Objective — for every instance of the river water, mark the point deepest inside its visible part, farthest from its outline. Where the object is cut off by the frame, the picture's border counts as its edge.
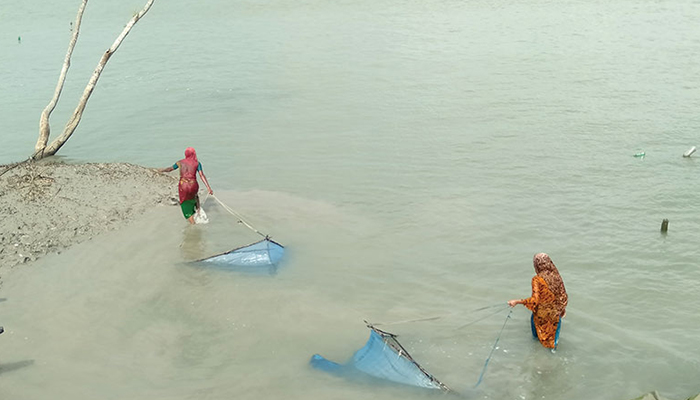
(412, 155)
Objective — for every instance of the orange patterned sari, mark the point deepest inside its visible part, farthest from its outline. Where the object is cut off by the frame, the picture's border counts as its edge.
(548, 301)
(545, 315)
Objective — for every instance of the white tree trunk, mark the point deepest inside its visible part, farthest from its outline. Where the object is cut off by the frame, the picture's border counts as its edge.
(78, 113)
(44, 127)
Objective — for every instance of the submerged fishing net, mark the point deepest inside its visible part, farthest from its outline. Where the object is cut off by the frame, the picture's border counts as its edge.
(264, 253)
(382, 357)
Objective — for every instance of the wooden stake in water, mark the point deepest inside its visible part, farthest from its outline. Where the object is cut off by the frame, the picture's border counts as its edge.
(664, 226)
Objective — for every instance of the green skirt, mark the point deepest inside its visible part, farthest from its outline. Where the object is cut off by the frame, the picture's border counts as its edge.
(188, 207)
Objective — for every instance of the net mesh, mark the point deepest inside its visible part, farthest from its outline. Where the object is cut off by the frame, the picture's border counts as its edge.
(264, 253)
(383, 357)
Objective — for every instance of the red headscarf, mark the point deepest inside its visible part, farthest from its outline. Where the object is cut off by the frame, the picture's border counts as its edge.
(191, 156)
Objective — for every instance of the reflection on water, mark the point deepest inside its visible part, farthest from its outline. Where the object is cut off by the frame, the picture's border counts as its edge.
(12, 366)
(192, 246)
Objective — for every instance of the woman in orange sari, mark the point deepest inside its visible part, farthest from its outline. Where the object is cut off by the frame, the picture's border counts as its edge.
(547, 303)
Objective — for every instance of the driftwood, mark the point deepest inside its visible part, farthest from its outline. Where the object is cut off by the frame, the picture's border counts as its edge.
(41, 149)
(44, 127)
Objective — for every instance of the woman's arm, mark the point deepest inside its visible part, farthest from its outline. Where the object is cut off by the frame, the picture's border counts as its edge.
(171, 168)
(204, 179)
(533, 300)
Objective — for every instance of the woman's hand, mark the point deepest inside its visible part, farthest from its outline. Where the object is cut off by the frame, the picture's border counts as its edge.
(514, 303)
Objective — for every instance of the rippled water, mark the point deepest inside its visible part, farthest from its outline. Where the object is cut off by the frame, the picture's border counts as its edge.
(412, 156)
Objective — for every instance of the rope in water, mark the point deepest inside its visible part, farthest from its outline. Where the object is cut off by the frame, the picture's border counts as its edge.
(483, 318)
(408, 321)
(443, 316)
(237, 215)
(486, 363)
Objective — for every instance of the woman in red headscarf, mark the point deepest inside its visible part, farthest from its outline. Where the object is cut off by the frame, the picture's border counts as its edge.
(547, 303)
(188, 186)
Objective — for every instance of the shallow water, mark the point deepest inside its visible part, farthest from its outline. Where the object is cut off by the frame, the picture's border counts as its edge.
(412, 156)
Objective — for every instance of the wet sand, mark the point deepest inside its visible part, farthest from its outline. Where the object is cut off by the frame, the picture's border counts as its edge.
(48, 206)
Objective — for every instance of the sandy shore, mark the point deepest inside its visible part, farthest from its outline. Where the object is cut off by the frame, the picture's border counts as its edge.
(49, 206)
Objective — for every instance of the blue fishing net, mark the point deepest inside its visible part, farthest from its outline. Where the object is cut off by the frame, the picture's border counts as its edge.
(382, 357)
(265, 253)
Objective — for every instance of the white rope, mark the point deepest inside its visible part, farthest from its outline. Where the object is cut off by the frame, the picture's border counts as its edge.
(237, 215)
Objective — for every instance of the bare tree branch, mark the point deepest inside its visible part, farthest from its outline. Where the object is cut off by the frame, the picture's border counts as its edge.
(78, 113)
(44, 127)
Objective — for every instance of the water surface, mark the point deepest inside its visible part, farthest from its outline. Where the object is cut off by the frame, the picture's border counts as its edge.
(412, 156)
